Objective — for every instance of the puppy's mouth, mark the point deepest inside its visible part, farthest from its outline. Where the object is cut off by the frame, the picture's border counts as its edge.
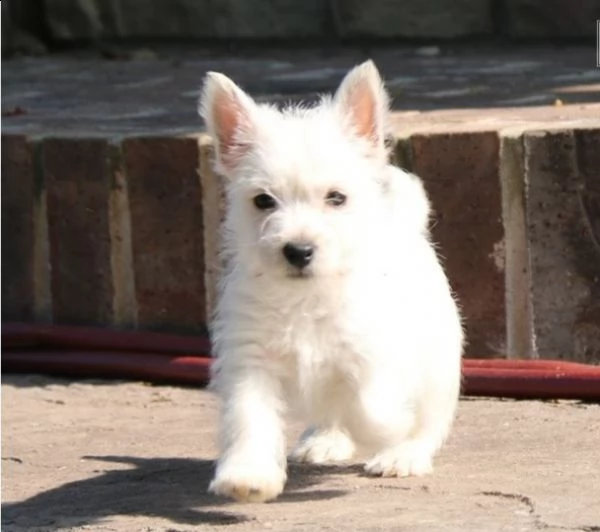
(299, 273)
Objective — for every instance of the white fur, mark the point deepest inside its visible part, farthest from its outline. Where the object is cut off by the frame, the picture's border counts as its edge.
(366, 347)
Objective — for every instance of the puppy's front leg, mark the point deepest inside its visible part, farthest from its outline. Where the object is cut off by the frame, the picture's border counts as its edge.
(252, 465)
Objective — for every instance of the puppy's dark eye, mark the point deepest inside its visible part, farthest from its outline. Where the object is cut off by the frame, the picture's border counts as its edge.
(264, 202)
(335, 198)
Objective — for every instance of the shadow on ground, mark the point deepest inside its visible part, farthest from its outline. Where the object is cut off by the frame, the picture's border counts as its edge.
(170, 488)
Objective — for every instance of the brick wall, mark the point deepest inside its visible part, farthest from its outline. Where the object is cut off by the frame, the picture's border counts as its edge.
(125, 234)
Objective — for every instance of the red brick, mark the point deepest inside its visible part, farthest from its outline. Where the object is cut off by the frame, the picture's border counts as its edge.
(461, 175)
(18, 196)
(167, 232)
(563, 213)
(78, 181)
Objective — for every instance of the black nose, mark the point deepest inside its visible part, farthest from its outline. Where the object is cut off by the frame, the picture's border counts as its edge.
(298, 255)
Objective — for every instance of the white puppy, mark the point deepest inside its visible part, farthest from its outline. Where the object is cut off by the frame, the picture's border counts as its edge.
(334, 302)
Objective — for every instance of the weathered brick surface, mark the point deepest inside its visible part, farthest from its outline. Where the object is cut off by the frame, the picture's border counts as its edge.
(588, 158)
(586, 333)
(18, 192)
(166, 232)
(413, 18)
(213, 206)
(563, 219)
(78, 182)
(519, 340)
(461, 174)
(124, 302)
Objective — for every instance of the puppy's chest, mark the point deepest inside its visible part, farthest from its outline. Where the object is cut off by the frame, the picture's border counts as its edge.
(316, 343)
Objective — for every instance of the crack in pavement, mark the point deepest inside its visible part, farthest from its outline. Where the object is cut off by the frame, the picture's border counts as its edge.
(538, 522)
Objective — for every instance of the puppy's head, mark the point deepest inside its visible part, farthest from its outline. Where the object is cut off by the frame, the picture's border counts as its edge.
(305, 186)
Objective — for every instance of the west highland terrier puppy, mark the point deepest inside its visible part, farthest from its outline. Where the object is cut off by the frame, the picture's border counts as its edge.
(334, 304)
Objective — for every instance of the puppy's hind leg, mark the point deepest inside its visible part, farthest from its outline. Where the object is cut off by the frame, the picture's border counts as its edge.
(319, 445)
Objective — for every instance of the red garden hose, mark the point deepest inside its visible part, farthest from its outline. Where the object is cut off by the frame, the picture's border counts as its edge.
(88, 352)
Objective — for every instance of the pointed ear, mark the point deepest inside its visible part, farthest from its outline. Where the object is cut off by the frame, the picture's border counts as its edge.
(228, 114)
(363, 102)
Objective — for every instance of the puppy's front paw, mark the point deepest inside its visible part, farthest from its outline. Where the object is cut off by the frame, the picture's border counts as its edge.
(248, 481)
(401, 461)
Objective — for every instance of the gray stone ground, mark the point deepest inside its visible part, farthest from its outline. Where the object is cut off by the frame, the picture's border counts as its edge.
(114, 456)
(154, 92)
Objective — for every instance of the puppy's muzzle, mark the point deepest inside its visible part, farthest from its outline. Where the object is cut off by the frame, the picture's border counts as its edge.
(298, 254)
